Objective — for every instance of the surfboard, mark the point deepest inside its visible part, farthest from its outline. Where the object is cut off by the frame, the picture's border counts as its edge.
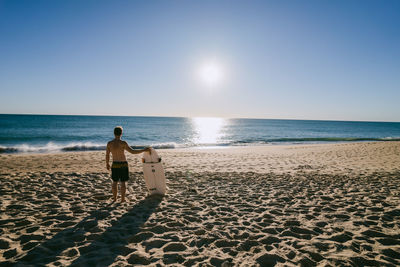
(154, 175)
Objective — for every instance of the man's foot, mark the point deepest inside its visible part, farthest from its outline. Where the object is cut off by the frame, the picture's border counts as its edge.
(114, 199)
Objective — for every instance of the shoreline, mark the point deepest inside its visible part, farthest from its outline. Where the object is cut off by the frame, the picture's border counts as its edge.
(359, 157)
(93, 147)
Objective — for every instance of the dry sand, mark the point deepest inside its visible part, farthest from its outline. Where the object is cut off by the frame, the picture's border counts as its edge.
(333, 204)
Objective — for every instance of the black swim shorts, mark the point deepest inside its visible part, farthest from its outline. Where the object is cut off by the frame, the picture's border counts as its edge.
(119, 171)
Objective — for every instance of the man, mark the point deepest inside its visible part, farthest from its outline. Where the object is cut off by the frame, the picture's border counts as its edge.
(119, 168)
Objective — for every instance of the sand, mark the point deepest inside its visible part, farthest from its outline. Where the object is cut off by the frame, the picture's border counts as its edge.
(328, 205)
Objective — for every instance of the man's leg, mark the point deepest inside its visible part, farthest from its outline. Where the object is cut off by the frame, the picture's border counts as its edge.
(123, 191)
(115, 190)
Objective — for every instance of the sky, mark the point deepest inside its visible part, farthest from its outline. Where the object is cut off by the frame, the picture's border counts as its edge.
(326, 60)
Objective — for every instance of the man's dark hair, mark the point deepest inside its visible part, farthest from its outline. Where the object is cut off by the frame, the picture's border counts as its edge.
(118, 131)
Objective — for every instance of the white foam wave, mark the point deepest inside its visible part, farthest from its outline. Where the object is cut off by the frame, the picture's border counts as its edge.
(390, 138)
(51, 147)
(169, 145)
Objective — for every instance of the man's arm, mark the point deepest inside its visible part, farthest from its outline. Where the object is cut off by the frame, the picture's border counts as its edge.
(136, 151)
(108, 157)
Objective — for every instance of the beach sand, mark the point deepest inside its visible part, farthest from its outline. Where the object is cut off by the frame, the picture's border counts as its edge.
(323, 204)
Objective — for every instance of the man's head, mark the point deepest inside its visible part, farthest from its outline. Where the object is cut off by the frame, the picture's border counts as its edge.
(118, 131)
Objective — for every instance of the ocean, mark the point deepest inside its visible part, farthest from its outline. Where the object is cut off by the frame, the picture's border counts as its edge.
(62, 133)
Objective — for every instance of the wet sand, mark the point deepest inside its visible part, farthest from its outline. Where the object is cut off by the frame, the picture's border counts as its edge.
(333, 204)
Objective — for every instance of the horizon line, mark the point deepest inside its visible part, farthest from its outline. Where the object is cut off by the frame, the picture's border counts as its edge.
(188, 117)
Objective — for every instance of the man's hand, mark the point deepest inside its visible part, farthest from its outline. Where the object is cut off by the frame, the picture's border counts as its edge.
(148, 149)
(108, 166)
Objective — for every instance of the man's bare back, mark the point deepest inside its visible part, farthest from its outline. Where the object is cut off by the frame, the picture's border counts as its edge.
(117, 149)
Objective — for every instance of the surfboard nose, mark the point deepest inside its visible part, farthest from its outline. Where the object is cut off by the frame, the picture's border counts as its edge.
(149, 158)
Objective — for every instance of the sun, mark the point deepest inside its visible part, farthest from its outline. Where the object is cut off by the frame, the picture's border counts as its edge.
(211, 73)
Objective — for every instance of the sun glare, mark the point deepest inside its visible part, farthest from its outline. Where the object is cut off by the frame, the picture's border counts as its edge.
(211, 74)
(208, 130)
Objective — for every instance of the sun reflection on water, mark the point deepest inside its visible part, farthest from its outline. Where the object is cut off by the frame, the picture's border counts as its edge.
(208, 131)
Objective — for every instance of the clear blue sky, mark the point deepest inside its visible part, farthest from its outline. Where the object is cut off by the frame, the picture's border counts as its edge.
(336, 60)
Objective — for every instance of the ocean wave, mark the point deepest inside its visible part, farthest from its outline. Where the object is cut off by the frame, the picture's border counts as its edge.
(84, 147)
(391, 138)
(338, 139)
(89, 146)
(76, 146)
(51, 147)
(170, 145)
(4, 149)
(314, 139)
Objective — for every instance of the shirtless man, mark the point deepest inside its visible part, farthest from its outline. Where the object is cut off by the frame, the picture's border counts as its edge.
(119, 168)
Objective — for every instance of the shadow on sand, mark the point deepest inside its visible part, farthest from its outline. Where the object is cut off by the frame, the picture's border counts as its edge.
(105, 246)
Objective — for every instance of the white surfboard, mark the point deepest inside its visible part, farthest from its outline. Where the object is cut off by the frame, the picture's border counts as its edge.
(154, 175)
